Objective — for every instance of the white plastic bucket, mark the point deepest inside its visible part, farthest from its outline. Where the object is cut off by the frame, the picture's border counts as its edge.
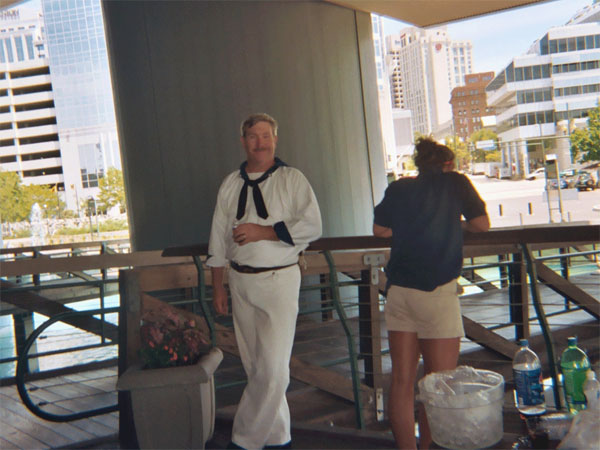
(464, 407)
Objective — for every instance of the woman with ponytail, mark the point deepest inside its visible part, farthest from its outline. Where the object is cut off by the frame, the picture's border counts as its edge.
(423, 216)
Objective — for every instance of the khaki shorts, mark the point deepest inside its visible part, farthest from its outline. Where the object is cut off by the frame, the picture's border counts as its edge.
(432, 315)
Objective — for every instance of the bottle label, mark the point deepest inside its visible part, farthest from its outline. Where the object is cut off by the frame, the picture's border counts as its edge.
(530, 390)
(573, 381)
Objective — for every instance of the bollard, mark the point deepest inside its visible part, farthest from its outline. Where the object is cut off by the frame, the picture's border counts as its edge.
(500, 209)
(530, 208)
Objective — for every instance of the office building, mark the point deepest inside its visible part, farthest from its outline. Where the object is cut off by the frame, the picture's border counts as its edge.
(57, 121)
(424, 66)
(469, 104)
(540, 95)
(383, 91)
(83, 94)
(29, 144)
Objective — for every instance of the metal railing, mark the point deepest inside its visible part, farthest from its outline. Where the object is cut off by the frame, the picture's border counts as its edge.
(357, 314)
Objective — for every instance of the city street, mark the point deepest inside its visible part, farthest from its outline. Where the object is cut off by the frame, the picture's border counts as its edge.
(513, 203)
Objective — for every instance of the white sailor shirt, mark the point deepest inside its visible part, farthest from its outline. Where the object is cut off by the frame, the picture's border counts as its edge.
(293, 212)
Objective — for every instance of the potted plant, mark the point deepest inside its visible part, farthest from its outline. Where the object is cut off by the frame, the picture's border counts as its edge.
(172, 388)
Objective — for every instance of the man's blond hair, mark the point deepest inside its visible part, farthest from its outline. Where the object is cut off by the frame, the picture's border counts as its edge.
(254, 119)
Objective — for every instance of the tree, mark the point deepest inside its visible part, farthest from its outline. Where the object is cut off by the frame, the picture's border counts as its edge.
(46, 197)
(460, 151)
(17, 199)
(112, 190)
(12, 208)
(585, 142)
(484, 155)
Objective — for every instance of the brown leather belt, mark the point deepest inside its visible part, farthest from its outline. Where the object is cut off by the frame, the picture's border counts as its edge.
(249, 269)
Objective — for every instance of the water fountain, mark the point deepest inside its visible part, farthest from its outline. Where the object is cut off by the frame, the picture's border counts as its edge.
(38, 230)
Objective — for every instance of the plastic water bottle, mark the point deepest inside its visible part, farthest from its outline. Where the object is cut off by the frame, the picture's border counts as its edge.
(591, 390)
(574, 364)
(527, 373)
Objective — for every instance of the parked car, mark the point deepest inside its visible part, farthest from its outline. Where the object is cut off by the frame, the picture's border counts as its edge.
(568, 178)
(537, 173)
(585, 181)
(553, 183)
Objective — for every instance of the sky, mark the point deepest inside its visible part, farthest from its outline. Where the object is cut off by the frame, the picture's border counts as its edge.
(497, 38)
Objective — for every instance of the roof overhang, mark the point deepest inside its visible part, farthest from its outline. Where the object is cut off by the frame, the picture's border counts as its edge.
(425, 13)
(422, 13)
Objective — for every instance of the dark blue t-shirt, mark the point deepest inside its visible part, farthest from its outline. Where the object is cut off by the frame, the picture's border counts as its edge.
(424, 214)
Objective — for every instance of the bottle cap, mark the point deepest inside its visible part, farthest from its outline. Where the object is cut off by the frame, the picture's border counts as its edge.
(523, 342)
(572, 341)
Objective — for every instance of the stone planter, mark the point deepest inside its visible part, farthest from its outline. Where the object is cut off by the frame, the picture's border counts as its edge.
(173, 407)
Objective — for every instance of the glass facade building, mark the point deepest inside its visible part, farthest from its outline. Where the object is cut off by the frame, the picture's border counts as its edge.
(79, 62)
(76, 46)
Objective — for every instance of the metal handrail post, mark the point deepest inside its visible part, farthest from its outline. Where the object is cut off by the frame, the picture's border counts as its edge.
(102, 293)
(541, 315)
(210, 321)
(22, 370)
(333, 280)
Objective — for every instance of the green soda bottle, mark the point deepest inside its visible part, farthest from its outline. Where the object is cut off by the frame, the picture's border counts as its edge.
(574, 365)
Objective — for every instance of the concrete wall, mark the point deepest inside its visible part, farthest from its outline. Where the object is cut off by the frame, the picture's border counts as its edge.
(186, 73)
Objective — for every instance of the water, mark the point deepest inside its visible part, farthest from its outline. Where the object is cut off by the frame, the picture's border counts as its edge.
(59, 336)
(38, 231)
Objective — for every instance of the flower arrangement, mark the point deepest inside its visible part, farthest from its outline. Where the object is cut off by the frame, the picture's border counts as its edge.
(169, 339)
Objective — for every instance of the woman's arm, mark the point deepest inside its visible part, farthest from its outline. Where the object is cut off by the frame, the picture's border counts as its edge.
(380, 231)
(477, 224)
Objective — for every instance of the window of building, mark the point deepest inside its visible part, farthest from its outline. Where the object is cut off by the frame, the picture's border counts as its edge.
(562, 45)
(589, 41)
(546, 71)
(29, 44)
(19, 48)
(91, 164)
(518, 74)
(9, 52)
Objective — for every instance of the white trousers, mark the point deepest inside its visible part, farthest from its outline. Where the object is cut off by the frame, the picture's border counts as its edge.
(265, 309)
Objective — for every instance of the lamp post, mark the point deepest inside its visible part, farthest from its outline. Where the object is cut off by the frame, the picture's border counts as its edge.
(91, 203)
(57, 200)
(77, 200)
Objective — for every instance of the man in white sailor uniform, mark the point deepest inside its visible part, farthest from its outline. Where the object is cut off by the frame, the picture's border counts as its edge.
(266, 214)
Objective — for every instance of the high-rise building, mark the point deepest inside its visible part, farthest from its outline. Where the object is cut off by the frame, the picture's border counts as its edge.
(424, 66)
(81, 82)
(383, 91)
(57, 120)
(29, 143)
(469, 104)
(539, 95)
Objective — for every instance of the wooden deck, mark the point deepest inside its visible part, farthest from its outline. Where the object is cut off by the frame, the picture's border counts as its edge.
(321, 420)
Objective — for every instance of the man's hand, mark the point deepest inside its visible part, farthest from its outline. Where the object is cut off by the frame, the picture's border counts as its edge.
(252, 232)
(220, 300)
(219, 291)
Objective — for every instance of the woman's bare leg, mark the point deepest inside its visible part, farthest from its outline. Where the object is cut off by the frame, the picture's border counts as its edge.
(438, 354)
(404, 351)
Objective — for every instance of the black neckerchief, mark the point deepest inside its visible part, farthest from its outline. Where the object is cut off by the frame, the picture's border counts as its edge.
(261, 209)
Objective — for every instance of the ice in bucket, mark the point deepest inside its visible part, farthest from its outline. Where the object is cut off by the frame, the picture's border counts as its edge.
(464, 407)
